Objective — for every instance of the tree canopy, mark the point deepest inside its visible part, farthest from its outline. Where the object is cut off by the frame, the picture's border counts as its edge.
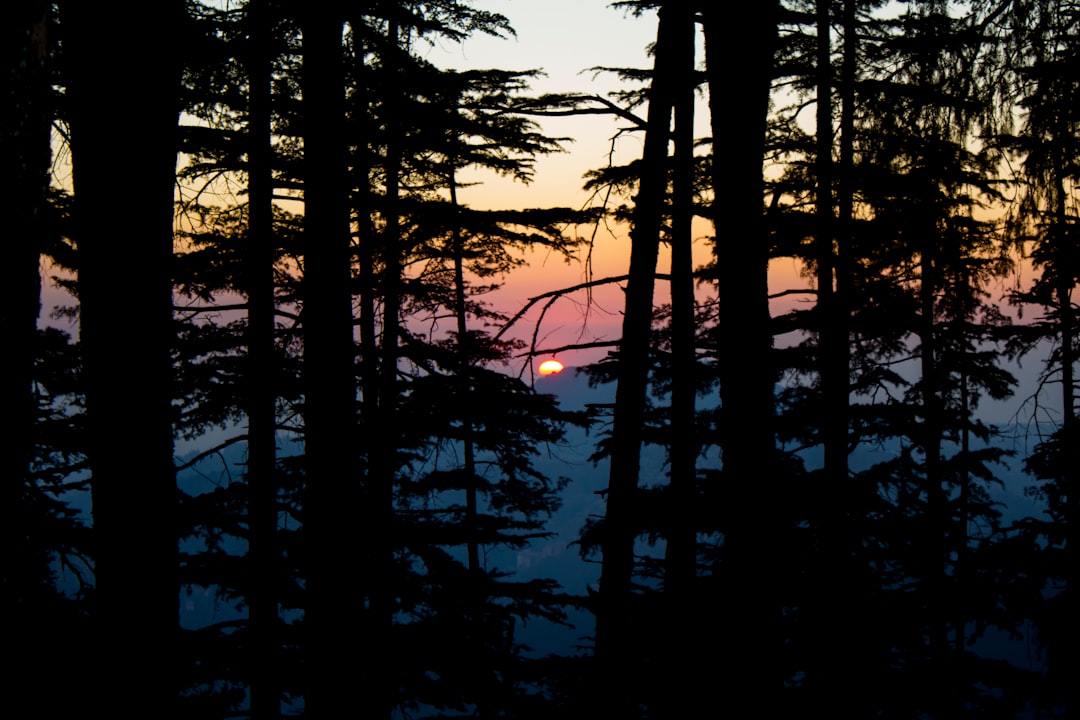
(290, 460)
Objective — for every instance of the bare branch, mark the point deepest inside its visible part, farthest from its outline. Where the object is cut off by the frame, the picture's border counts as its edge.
(796, 291)
(569, 105)
(212, 451)
(555, 294)
(562, 348)
(566, 291)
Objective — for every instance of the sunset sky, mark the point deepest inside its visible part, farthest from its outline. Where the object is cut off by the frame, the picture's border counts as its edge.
(565, 38)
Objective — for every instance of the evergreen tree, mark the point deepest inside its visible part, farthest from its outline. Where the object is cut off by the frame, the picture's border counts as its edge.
(925, 178)
(128, 374)
(44, 540)
(615, 614)
(859, 585)
(262, 374)
(750, 616)
(1045, 227)
(25, 154)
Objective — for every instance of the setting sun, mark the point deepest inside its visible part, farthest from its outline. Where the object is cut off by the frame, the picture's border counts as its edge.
(550, 367)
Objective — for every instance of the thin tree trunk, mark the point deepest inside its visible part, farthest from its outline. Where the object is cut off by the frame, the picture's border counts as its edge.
(465, 366)
(835, 603)
(860, 690)
(380, 539)
(477, 595)
(266, 692)
(832, 320)
(378, 407)
(615, 621)
(363, 211)
(680, 556)
(960, 542)
(1069, 428)
(124, 59)
(936, 541)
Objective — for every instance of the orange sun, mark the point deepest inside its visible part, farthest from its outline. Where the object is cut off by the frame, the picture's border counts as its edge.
(550, 367)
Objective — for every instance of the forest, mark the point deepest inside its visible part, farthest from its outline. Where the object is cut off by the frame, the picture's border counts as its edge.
(253, 211)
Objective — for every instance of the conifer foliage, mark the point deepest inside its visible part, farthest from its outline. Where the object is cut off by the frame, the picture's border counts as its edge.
(282, 465)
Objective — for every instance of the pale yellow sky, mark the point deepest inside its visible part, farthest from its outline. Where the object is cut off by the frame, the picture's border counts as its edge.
(563, 39)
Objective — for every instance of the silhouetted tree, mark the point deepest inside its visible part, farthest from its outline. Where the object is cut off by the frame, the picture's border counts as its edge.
(616, 615)
(43, 539)
(804, 578)
(1045, 225)
(680, 527)
(262, 373)
(126, 359)
(24, 158)
(749, 615)
(331, 618)
(923, 189)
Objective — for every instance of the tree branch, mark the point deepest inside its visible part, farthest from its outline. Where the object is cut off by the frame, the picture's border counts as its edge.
(212, 451)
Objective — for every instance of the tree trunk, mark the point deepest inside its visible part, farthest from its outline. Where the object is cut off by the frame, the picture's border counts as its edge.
(332, 480)
(27, 583)
(680, 555)
(124, 60)
(380, 537)
(25, 155)
(835, 605)
(935, 541)
(749, 619)
(832, 315)
(1070, 435)
(465, 352)
(615, 620)
(261, 380)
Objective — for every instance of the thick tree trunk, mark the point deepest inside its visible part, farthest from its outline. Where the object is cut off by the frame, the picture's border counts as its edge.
(27, 590)
(25, 120)
(122, 59)
(738, 101)
(332, 480)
